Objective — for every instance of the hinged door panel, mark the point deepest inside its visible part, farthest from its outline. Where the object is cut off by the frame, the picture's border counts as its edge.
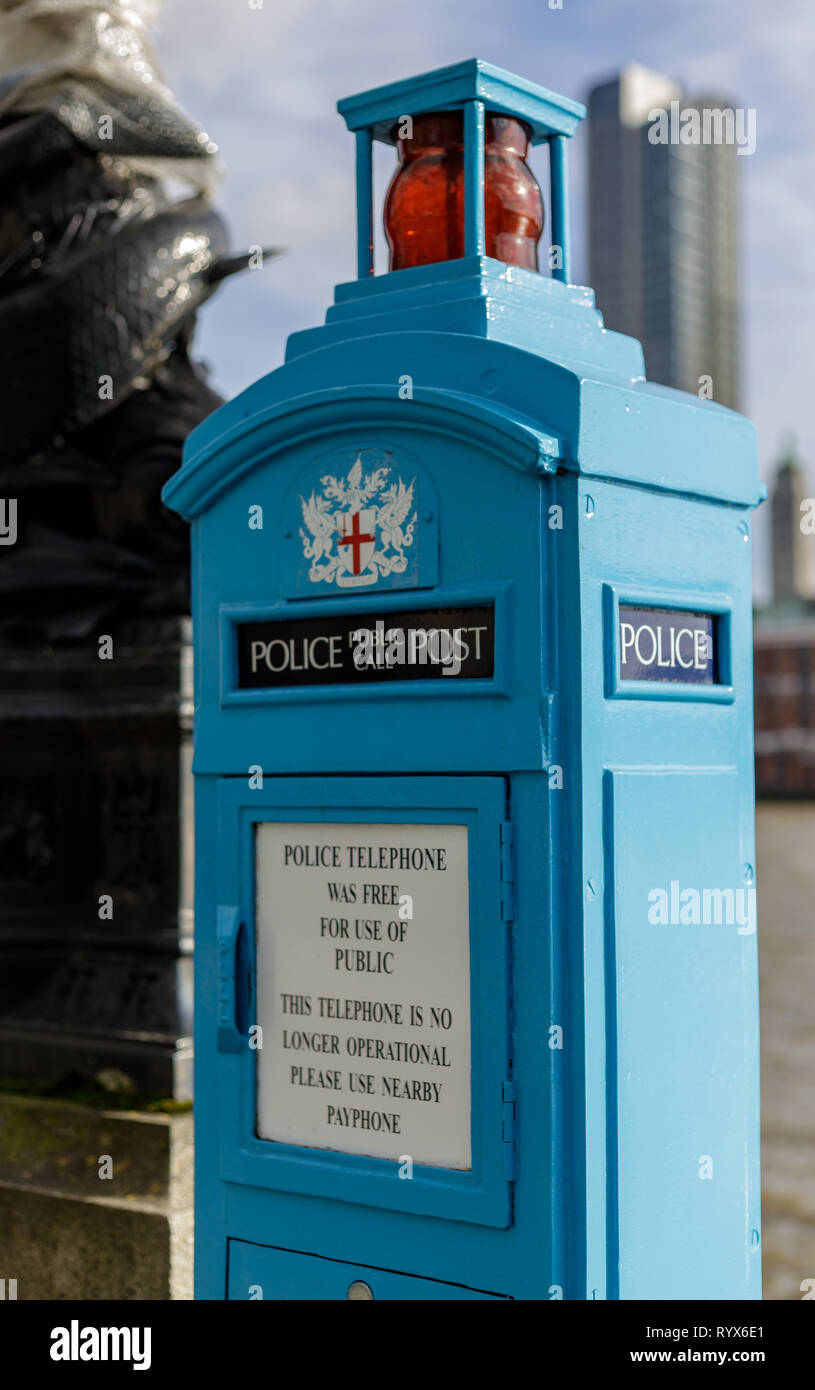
(363, 1017)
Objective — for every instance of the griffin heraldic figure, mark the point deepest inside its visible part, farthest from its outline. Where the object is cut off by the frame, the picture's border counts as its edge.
(101, 274)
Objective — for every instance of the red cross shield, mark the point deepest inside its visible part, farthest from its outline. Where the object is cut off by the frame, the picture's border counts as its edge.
(357, 542)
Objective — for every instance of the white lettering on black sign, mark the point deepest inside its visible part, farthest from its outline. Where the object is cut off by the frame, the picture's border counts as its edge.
(363, 979)
(668, 644)
(362, 649)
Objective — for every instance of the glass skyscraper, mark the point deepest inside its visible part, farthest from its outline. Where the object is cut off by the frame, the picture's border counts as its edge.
(663, 233)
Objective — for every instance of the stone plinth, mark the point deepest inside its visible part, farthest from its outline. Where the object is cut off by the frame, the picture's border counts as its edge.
(67, 1231)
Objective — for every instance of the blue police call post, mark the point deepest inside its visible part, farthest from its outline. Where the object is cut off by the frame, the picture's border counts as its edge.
(476, 984)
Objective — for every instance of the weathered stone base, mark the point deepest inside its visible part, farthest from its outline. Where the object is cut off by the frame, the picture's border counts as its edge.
(68, 1232)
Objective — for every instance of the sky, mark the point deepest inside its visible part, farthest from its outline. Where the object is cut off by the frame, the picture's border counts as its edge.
(264, 76)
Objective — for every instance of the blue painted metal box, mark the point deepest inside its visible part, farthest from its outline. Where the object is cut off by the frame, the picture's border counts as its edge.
(476, 1009)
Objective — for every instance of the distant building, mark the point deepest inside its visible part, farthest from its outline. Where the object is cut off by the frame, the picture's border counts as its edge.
(793, 548)
(784, 676)
(663, 234)
(785, 646)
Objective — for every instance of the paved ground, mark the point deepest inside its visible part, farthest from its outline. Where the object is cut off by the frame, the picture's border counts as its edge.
(786, 927)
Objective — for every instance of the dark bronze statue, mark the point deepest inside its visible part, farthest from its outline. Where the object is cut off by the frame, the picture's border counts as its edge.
(101, 273)
(102, 270)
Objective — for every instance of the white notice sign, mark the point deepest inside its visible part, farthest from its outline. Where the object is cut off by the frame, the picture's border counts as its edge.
(363, 978)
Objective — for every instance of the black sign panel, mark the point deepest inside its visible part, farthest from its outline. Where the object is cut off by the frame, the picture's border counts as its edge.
(367, 648)
(668, 644)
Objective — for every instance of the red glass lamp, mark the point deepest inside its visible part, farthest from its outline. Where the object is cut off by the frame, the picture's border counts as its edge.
(463, 188)
(424, 207)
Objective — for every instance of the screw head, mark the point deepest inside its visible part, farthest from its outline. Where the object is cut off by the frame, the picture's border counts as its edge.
(360, 1290)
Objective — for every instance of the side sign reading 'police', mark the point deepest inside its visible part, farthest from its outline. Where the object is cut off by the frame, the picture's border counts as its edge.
(668, 644)
(361, 649)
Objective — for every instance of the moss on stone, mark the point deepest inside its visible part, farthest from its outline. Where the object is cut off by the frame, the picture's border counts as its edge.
(78, 1091)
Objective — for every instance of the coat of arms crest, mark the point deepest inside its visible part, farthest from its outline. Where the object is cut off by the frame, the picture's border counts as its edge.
(358, 527)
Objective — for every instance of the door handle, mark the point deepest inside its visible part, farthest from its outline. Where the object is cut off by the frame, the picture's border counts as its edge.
(234, 979)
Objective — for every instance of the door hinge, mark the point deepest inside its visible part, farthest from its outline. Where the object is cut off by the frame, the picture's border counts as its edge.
(507, 871)
(508, 1094)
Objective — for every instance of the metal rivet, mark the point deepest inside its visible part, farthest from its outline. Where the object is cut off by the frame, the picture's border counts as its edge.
(359, 1289)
